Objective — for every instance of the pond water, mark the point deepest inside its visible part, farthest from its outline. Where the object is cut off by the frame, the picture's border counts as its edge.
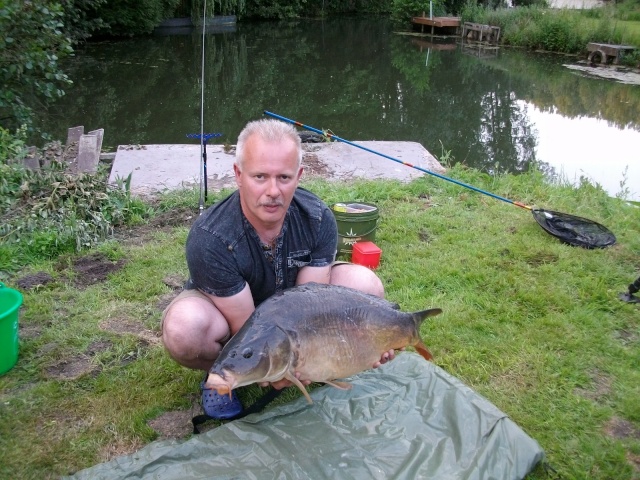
(493, 109)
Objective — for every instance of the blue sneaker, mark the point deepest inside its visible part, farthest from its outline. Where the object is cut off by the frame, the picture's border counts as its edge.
(220, 407)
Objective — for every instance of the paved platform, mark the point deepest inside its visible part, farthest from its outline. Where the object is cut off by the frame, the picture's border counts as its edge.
(159, 168)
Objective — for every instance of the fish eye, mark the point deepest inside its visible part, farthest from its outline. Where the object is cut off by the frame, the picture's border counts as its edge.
(247, 353)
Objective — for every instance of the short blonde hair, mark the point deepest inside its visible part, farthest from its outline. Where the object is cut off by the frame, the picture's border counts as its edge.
(269, 130)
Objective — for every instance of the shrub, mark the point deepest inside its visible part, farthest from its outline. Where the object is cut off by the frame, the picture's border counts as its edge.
(31, 45)
(48, 212)
(403, 10)
(12, 146)
(128, 18)
(81, 18)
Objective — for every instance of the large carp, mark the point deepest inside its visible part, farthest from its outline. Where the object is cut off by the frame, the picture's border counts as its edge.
(324, 332)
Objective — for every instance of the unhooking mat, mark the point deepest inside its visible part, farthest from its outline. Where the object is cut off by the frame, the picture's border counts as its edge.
(408, 419)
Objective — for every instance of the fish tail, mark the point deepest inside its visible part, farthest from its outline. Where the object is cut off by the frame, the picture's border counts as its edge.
(418, 318)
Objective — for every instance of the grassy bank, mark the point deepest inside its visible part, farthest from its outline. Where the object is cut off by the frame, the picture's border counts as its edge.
(563, 30)
(532, 324)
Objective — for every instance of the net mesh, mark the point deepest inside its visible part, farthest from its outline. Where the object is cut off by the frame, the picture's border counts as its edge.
(573, 230)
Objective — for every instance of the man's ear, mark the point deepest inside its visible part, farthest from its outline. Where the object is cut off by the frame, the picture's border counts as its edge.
(237, 172)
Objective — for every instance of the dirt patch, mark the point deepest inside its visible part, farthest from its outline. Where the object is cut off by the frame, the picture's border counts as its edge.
(165, 300)
(98, 347)
(424, 236)
(119, 447)
(601, 387)
(176, 424)
(59, 424)
(72, 368)
(621, 429)
(164, 222)
(79, 365)
(537, 259)
(28, 332)
(313, 166)
(179, 217)
(94, 268)
(126, 325)
(634, 460)
(175, 281)
(35, 280)
(626, 337)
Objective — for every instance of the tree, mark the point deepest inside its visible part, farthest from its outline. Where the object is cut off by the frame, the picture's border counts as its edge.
(134, 17)
(31, 43)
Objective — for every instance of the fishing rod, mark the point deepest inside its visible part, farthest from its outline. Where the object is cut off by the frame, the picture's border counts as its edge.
(205, 138)
(570, 229)
(335, 137)
(203, 142)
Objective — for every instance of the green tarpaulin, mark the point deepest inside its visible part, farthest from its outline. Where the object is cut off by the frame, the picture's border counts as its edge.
(408, 419)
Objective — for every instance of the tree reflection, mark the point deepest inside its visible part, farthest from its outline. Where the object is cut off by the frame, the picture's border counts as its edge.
(353, 76)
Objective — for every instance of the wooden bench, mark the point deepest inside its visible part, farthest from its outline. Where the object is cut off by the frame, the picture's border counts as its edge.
(607, 53)
(479, 32)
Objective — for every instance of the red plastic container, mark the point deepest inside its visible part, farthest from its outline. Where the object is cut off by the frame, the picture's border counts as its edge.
(367, 254)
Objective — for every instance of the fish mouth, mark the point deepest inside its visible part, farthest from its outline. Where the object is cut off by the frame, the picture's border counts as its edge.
(220, 384)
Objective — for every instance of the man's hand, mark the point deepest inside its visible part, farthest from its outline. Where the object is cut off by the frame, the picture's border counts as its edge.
(386, 357)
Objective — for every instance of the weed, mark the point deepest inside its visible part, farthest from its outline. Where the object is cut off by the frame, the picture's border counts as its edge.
(49, 211)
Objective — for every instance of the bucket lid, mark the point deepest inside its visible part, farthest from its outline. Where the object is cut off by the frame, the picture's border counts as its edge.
(354, 208)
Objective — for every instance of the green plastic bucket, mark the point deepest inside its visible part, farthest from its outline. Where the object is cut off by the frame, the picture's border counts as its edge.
(357, 222)
(10, 301)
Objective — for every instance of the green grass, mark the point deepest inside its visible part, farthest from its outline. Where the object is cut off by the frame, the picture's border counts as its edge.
(532, 324)
(562, 30)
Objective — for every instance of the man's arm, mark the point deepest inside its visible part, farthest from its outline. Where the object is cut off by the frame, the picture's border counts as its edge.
(236, 309)
(314, 274)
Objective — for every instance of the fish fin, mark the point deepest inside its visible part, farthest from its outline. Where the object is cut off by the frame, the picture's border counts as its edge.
(340, 385)
(422, 349)
(431, 312)
(292, 378)
(421, 316)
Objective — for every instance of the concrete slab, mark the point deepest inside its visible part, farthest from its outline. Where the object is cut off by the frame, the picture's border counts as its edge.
(158, 168)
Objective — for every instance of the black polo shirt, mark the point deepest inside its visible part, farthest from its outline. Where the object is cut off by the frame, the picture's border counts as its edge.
(224, 251)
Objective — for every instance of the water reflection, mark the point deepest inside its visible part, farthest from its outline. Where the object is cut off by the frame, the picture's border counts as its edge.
(362, 81)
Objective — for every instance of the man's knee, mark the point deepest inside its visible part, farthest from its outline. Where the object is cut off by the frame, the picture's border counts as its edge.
(357, 277)
(177, 325)
(190, 322)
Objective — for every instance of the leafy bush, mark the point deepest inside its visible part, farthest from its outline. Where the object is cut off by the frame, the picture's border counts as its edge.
(48, 212)
(127, 18)
(31, 44)
(275, 10)
(12, 146)
(628, 10)
(81, 18)
(403, 10)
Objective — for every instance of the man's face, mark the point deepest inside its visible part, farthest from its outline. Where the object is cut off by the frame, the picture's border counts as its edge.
(268, 180)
